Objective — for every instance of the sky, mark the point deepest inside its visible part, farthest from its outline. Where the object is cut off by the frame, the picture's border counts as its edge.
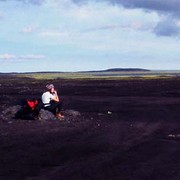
(82, 35)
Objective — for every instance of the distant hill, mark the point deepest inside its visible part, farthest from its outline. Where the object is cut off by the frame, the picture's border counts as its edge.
(94, 71)
(125, 69)
(120, 70)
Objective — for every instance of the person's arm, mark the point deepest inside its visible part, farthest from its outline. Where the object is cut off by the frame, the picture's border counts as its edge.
(55, 98)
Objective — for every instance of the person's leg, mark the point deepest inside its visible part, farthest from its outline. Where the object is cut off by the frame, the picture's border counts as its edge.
(58, 106)
(55, 108)
(51, 108)
(58, 110)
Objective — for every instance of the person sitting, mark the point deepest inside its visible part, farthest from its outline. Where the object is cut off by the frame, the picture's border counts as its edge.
(51, 101)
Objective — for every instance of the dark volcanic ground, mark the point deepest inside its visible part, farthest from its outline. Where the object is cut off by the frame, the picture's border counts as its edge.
(127, 130)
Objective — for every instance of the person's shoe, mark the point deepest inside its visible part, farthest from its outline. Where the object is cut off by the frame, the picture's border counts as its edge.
(59, 116)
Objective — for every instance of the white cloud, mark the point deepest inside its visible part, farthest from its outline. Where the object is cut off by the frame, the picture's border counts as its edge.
(76, 24)
(29, 29)
(53, 33)
(32, 56)
(7, 56)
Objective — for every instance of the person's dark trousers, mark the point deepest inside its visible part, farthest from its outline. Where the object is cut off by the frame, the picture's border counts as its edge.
(55, 107)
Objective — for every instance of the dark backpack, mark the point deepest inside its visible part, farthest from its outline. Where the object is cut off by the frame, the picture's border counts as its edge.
(29, 110)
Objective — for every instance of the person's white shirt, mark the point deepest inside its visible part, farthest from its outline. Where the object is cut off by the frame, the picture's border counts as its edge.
(46, 98)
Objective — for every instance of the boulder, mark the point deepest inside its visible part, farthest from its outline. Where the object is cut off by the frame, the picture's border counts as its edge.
(46, 115)
(9, 112)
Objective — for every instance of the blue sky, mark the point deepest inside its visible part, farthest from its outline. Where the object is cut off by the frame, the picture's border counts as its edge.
(76, 35)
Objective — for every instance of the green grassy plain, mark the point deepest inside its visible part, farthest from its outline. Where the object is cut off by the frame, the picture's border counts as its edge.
(101, 75)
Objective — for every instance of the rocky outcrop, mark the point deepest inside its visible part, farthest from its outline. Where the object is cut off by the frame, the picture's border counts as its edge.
(46, 115)
(10, 112)
(15, 112)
